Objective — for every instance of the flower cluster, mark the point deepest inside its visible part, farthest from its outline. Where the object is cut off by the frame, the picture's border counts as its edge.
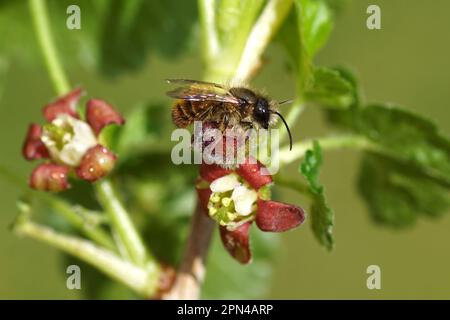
(237, 198)
(70, 145)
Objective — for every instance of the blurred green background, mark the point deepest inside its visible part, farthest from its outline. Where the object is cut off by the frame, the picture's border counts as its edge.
(406, 63)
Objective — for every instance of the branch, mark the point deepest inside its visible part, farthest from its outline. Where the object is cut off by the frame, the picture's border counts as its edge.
(141, 280)
(192, 269)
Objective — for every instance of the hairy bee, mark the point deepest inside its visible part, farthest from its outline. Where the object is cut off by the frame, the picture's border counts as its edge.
(226, 107)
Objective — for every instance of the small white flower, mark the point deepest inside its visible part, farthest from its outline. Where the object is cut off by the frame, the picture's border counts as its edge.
(73, 139)
(243, 199)
(225, 183)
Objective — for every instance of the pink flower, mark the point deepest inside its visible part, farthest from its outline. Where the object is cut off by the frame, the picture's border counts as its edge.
(70, 144)
(237, 198)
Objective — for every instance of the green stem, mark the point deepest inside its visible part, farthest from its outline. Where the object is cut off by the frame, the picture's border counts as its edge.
(335, 142)
(210, 40)
(142, 280)
(70, 213)
(292, 183)
(262, 32)
(121, 222)
(39, 15)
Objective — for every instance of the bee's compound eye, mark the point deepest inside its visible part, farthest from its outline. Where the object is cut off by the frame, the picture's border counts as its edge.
(261, 112)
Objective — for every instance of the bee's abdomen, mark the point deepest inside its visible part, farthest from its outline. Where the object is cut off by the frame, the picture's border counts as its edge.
(185, 112)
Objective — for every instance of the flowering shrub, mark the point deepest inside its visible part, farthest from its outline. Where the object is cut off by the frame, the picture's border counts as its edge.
(147, 224)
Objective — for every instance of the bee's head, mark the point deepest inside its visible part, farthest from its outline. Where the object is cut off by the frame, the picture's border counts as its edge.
(261, 112)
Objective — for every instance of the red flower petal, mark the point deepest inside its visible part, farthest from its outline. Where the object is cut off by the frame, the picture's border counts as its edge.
(237, 242)
(99, 114)
(96, 163)
(49, 177)
(203, 198)
(256, 174)
(64, 105)
(33, 147)
(276, 216)
(211, 172)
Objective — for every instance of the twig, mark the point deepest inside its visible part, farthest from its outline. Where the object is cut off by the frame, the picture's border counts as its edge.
(192, 269)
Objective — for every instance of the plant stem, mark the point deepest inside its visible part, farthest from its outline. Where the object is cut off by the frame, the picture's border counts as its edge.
(67, 211)
(39, 15)
(192, 269)
(292, 183)
(262, 32)
(210, 39)
(121, 222)
(142, 280)
(335, 142)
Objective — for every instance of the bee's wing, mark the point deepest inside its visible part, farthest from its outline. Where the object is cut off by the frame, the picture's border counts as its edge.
(194, 82)
(201, 91)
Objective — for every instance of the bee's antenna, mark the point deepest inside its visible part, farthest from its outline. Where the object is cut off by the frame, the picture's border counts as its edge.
(285, 101)
(287, 128)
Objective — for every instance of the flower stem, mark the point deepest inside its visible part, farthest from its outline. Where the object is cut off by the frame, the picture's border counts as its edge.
(121, 222)
(142, 280)
(67, 211)
(336, 142)
(40, 19)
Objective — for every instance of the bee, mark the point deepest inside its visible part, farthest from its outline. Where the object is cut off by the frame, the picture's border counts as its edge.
(227, 107)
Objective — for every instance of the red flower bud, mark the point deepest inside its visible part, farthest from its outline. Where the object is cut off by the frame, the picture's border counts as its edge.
(237, 242)
(100, 114)
(49, 177)
(211, 172)
(255, 173)
(96, 163)
(33, 148)
(66, 104)
(276, 216)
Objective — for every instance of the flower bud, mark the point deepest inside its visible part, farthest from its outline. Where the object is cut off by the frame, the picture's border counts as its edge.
(100, 114)
(96, 163)
(33, 147)
(49, 177)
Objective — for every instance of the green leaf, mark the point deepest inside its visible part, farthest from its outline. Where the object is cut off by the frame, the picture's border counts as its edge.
(329, 88)
(397, 194)
(303, 33)
(317, 23)
(322, 215)
(401, 135)
(132, 29)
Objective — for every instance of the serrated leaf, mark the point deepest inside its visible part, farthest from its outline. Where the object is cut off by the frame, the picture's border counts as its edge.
(317, 23)
(330, 89)
(402, 135)
(397, 194)
(302, 34)
(322, 216)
